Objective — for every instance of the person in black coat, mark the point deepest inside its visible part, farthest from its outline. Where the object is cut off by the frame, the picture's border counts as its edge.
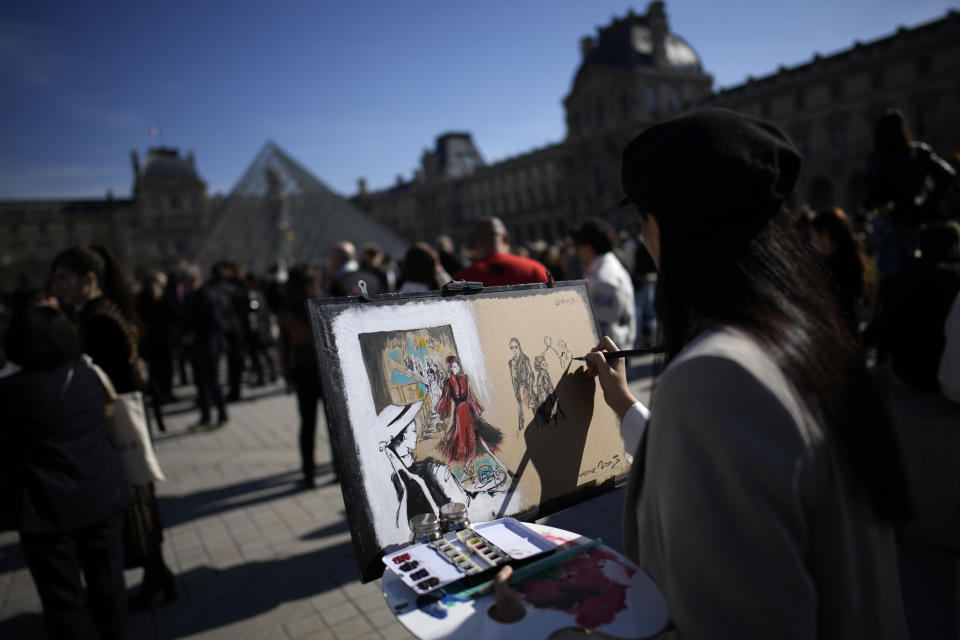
(915, 304)
(64, 488)
(204, 335)
(346, 274)
(89, 279)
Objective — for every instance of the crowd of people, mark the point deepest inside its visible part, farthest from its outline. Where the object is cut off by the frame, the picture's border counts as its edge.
(766, 315)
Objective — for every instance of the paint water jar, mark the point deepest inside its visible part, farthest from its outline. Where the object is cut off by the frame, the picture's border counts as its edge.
(424, 527)
(453, 517)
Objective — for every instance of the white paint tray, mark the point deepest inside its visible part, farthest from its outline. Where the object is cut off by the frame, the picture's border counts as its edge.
(514, 538)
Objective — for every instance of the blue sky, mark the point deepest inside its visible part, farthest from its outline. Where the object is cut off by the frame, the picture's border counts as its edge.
(349, 89)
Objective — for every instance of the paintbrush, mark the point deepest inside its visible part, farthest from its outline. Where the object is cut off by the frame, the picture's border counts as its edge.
(530, 570)
(626, 353)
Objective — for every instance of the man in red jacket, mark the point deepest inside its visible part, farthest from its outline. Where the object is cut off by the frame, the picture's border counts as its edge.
(495, 265)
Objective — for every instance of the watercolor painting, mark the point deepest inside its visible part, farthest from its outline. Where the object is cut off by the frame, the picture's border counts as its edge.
(440, 447)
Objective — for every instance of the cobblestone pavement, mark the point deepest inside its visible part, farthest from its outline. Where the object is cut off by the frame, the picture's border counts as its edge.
(255, 555)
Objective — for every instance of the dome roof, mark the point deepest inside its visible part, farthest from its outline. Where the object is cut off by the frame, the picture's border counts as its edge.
(633, 41)
(165, 163)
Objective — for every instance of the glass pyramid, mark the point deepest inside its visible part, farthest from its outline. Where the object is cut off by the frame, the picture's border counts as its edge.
(279, 211)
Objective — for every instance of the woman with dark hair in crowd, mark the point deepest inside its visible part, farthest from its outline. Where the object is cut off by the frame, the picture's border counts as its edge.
(90, 280)
(422, 270)
(63, 485)
(766, 484)
(298, 360)
(843, 256)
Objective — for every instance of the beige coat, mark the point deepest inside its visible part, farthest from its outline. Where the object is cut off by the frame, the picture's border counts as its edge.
(747, 519)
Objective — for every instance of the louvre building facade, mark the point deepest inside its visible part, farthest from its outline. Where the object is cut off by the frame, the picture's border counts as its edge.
(633, 72)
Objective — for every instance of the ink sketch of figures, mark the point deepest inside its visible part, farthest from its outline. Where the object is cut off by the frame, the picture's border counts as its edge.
(422, 485)
(470, 443)
(521, 375)
(546, 403)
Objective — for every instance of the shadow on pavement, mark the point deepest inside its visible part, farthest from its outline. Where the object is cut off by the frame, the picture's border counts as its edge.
(186, 403)
(228, 596)
(329, 530)
(179, 509)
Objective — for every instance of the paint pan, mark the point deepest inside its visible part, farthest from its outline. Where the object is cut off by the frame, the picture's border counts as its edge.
(452, 553)
(431, 570)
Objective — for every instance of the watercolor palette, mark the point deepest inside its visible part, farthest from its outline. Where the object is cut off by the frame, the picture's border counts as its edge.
(469, 554)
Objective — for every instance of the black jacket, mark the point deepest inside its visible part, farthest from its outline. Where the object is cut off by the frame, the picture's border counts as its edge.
(59, 471)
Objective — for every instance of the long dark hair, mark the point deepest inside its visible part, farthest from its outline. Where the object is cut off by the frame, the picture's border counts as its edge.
(848, 262)
(771, 288)
(299, 280)
(41, 338)
(892, 133)
(420, 264)
(98, 260)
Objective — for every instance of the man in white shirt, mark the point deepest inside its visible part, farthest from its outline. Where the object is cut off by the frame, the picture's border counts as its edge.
(611, 288)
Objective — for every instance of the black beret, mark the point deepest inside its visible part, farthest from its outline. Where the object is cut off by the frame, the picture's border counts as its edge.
(710, 169)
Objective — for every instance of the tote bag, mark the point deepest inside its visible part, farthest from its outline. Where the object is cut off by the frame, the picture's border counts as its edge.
(129, 432)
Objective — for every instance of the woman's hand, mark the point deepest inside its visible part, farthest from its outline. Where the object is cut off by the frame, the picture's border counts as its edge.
(612, 375)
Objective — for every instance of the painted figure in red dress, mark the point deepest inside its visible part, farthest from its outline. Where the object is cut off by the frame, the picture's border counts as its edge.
(471, 442)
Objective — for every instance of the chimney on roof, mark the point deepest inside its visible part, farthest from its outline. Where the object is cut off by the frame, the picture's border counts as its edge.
(399, 179)
(136, 162)
(361, 186)
(190, 158)
(586, 46)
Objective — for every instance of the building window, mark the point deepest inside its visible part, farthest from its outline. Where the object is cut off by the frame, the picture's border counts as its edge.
(799, 100)
(877, 79)
(838, 136)
(599, 180)
(652, 99)
(923, 65)
(836, 90)
(800, 139)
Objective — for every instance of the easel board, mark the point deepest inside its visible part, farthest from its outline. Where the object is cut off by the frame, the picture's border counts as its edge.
(472, 397)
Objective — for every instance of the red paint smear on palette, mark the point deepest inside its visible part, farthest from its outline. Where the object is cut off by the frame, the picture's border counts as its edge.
(581, 588)
(556, 538)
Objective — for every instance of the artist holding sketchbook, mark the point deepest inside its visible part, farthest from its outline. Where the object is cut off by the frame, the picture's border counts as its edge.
(766, 481)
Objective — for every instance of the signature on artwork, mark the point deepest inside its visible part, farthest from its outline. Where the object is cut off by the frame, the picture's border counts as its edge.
(565, 301)
(609, 463)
